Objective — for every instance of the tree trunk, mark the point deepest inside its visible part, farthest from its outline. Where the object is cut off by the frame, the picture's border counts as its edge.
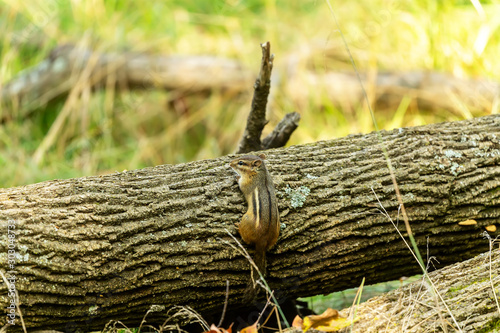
(108, 247)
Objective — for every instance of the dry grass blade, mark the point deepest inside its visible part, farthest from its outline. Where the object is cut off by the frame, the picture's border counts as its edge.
(81, 86)
(356, 300)
(153, 308)
(185, 312)
(114, 329)
(433, 289)
(491, 243)
(225, 305)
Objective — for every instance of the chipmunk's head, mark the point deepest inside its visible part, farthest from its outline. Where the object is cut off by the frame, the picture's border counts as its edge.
(248, 166)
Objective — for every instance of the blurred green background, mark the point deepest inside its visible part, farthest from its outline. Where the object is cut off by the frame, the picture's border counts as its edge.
(116, 131)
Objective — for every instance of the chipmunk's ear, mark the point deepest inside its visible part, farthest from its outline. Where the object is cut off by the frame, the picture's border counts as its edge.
(262, 156)
(256, 163)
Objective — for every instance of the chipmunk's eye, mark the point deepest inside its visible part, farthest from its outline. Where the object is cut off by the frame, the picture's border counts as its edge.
(240, 163)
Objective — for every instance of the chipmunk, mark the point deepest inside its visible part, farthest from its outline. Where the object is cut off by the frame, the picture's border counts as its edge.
(260, 225)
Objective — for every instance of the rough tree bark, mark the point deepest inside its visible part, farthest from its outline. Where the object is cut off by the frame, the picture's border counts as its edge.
(108, 247)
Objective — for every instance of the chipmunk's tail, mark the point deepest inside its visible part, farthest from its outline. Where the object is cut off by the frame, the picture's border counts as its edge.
(260, 261)
(253, 288)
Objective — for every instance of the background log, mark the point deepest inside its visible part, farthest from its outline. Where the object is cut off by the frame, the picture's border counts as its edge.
(69, 67)
(108, 247)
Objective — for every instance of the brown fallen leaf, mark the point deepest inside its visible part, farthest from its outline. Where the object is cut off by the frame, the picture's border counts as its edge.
(215, 329)
(313, 321)
(328, 321)
(250, 329)
(297, 322)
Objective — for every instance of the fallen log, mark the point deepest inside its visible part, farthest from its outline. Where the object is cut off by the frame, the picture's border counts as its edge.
(461, 298)
(93, 249)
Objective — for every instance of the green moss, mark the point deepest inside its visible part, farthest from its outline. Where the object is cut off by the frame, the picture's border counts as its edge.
(494, 190)
(455, 289)
(493, 326)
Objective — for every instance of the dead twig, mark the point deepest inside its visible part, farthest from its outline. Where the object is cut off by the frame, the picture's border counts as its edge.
(282, 132)
(257, 118)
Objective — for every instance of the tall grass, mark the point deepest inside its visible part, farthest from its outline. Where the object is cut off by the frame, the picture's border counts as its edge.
(109, 131)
